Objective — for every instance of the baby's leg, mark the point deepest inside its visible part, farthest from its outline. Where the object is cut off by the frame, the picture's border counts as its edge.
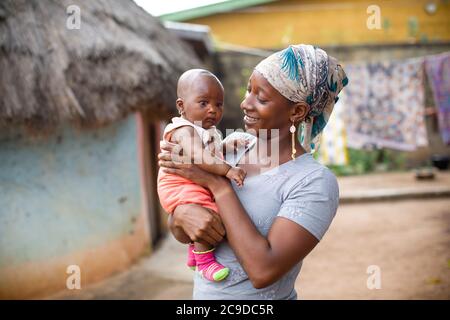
(207, 265)
(200, 246)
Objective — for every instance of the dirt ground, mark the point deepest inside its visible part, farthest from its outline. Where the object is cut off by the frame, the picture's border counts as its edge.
(408, 240)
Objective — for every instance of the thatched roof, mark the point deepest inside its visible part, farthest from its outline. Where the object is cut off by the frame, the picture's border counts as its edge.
(120, 60)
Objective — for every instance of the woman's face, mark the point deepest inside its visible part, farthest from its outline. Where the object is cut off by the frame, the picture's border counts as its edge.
(264, 107)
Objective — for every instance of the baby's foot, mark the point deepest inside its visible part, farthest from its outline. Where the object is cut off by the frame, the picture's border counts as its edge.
(209, 268)
(214, 272)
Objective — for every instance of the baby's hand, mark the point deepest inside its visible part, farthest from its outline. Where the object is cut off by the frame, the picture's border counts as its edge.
(237, 174)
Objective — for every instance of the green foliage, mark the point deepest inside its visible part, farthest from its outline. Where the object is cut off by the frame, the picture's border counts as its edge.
(367, 161)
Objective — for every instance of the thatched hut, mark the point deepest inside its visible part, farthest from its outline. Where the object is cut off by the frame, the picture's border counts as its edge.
(85, 88)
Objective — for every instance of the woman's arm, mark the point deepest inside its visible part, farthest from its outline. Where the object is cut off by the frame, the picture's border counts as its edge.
(264, 259)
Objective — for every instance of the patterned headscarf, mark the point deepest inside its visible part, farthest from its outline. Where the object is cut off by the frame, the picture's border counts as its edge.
(306, 73)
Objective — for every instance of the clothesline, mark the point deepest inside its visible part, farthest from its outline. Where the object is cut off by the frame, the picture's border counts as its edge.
(409, 59)
(384, 105)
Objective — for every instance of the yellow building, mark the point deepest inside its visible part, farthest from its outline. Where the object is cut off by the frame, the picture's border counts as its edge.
(269, 24)
(245, 31)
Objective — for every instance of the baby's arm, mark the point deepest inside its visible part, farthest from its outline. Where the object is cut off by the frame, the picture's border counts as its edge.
(193, 148)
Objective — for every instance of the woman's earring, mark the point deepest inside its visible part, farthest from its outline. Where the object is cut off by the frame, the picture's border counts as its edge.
(292, 129)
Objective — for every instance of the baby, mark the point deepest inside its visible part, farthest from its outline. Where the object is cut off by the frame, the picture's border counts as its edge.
(200, 104)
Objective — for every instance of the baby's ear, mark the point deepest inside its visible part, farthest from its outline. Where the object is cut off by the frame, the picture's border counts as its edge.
(180, 105)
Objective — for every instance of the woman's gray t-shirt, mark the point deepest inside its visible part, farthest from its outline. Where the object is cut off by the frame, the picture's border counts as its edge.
(302, 191)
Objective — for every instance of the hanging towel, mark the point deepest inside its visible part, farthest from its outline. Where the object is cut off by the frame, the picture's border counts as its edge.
(333, 143)
(438, 72)
(385, 105)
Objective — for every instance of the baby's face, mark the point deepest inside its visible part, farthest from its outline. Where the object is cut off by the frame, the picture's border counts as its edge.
(204, 101)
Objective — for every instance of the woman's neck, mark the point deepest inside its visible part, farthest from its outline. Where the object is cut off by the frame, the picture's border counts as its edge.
(281, 144)
(284, 142)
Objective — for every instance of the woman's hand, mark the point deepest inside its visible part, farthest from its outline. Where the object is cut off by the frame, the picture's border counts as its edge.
(235, 144)
(171, 162)
(198, 224)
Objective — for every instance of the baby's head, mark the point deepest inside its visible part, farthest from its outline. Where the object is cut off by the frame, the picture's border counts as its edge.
(200, 97)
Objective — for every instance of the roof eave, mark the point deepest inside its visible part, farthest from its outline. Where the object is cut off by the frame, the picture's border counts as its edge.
(221, 7)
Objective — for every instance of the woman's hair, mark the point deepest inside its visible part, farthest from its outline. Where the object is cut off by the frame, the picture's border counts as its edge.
(304, 73)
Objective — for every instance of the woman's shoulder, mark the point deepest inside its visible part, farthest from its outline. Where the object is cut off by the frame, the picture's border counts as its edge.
(313, 174)
(313, 198)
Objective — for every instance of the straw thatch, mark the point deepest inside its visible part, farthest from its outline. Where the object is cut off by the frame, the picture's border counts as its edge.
(120, 60)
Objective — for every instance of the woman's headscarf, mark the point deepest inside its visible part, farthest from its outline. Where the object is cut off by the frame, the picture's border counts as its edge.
(306, 73)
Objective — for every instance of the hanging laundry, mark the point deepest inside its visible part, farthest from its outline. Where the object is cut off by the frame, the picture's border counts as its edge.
(438, 72)
(333, 143)
(385, 105)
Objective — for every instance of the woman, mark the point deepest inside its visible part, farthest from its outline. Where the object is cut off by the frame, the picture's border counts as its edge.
(281, 213)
